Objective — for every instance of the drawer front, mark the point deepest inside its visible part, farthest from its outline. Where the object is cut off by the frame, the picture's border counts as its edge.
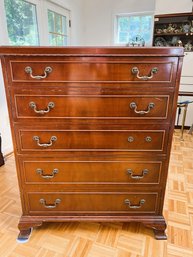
(88, 69)
(121, 107)
(91, 172)
(92, 202)
(88, 140)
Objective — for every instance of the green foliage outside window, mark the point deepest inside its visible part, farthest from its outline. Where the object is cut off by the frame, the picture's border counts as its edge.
(21, 22)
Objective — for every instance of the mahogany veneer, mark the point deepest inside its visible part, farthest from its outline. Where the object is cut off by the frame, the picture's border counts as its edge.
(92, 131)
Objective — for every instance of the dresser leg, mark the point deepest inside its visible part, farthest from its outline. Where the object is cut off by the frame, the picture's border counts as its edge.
(26, 228)
(160, 234)
(24, 235)
(158, 229)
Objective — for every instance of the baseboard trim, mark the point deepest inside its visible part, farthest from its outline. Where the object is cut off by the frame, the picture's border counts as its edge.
(7, 155)
(179, 127)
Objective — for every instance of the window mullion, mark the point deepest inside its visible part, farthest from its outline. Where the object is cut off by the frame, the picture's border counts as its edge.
(40, 23)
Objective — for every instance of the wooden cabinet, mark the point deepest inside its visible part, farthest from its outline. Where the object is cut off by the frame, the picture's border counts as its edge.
(174, 30)
(92, 127)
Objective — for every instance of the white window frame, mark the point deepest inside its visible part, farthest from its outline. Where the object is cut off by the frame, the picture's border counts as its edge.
(115, 22)
(42, 7)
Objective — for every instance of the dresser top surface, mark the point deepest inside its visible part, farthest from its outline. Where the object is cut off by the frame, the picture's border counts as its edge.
(90, 51)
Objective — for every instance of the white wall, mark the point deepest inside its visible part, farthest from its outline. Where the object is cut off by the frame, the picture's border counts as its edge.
(173, 6)
(99, 18)
(7, 146)
(5, 132)
(76, 8)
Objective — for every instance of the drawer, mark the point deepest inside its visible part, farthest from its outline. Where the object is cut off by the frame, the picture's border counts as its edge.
(91, 172)
(94, 69)
(47, 202)
(121, 107)
(91, 140)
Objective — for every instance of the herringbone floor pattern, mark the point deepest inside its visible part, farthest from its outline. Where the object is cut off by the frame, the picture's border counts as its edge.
(106, 239)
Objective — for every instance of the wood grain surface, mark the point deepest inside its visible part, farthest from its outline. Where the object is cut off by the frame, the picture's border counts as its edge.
(85, 116)
(89, 239)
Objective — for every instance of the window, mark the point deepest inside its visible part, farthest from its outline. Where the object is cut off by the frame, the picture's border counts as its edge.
(36, 22)
(57, 25)
(21, 22)
(134, 29)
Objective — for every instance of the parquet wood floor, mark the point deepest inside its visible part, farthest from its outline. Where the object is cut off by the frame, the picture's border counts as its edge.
(106, 239)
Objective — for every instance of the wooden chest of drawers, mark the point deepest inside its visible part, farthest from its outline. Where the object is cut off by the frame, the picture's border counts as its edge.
(92, 131)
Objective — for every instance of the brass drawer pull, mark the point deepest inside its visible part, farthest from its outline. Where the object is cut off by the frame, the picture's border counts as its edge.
(41, 172)
(33, 106)
(133, 105)
(135, 71)
(148, 139)
(130, 139)
(52, 139)
(130, 172)
(50, 206)
(128, 203)
(29, 70)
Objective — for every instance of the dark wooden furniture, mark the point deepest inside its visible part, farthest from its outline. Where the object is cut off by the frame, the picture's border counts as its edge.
(92, 131)
(1, 155)
(174, 30)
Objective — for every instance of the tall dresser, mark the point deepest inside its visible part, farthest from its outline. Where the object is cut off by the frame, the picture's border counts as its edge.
(92, 131)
